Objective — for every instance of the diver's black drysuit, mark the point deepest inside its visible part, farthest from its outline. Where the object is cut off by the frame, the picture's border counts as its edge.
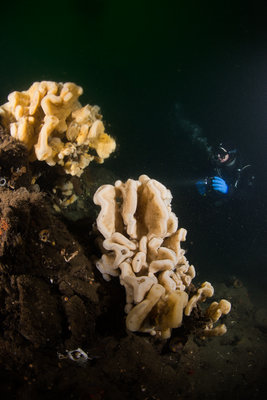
(237, 175)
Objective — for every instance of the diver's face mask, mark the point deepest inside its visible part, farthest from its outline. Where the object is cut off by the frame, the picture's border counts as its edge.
(221, 156)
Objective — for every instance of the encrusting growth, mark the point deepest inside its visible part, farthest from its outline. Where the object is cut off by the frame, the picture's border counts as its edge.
(142, 246)
(51, 122)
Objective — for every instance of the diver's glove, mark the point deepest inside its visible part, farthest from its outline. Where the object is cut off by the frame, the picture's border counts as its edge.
(219, 185)
(201, 187)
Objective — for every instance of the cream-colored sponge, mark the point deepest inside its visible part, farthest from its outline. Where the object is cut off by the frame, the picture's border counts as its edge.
(141, 245)
(51, 122)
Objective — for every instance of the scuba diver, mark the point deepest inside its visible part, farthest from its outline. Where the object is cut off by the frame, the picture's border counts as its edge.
(229, 178)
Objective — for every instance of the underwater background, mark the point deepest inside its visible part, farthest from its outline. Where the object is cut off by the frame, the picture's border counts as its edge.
(171, 79)
(163, 74)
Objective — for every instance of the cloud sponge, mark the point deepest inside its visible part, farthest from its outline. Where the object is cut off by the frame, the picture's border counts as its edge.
(141, 245)
(55, 128)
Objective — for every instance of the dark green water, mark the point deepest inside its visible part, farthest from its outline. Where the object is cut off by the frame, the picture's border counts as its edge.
(138, 61)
